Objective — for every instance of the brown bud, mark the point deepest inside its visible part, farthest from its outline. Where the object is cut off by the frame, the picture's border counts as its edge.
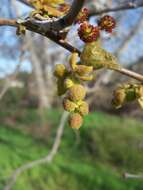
(77, 92)
(75, 120)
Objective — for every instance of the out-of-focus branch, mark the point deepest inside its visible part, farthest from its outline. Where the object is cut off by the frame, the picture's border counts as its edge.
(131, 74)
(47, 159)
(127, 6)
(130, 36)
(8, 22)
(12, 76)
(132, 176)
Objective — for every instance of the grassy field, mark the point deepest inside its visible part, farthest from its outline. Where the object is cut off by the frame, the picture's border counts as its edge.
(94, 159)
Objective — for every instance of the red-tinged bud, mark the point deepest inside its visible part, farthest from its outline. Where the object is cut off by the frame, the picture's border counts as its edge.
(82, 16)
(107, 23)
(88, 33)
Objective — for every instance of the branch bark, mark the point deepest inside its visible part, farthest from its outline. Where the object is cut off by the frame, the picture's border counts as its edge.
(54, 37)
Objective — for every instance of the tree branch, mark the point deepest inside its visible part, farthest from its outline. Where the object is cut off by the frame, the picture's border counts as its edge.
(54, 37)
(60, 23)
(8, 22)
(132, 176)
(124, 7)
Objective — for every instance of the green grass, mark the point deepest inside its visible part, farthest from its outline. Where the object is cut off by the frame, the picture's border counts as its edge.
(95, 159)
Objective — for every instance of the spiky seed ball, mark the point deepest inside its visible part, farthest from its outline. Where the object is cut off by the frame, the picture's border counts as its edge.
(68, 83)
(82, 16)
(119, 97)
(60, 70)
(88, 33)
(77, 92)
(83, 70)
(69, 105)
(75, 120)
(83, 108)
(107, 23)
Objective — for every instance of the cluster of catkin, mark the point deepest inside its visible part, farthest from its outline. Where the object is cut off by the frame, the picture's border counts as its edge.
(70, 84)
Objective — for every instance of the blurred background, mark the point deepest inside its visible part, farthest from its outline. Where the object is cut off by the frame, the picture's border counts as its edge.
(109, 144)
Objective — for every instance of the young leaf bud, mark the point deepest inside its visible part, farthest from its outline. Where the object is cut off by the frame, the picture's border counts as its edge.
(94, 55)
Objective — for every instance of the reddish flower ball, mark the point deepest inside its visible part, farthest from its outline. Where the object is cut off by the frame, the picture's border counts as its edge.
(107, 23)
(88, 33)
(82, 16)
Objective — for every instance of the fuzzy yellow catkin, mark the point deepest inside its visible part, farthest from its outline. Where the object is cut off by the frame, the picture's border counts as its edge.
(141, 90)
(68, 83)
(77, 92)
(69, 105)
(83, 108)
(60, 70)
(75, 120)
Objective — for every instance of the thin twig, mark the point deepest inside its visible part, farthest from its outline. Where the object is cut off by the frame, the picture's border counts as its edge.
(131, 74)
(46, 159)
